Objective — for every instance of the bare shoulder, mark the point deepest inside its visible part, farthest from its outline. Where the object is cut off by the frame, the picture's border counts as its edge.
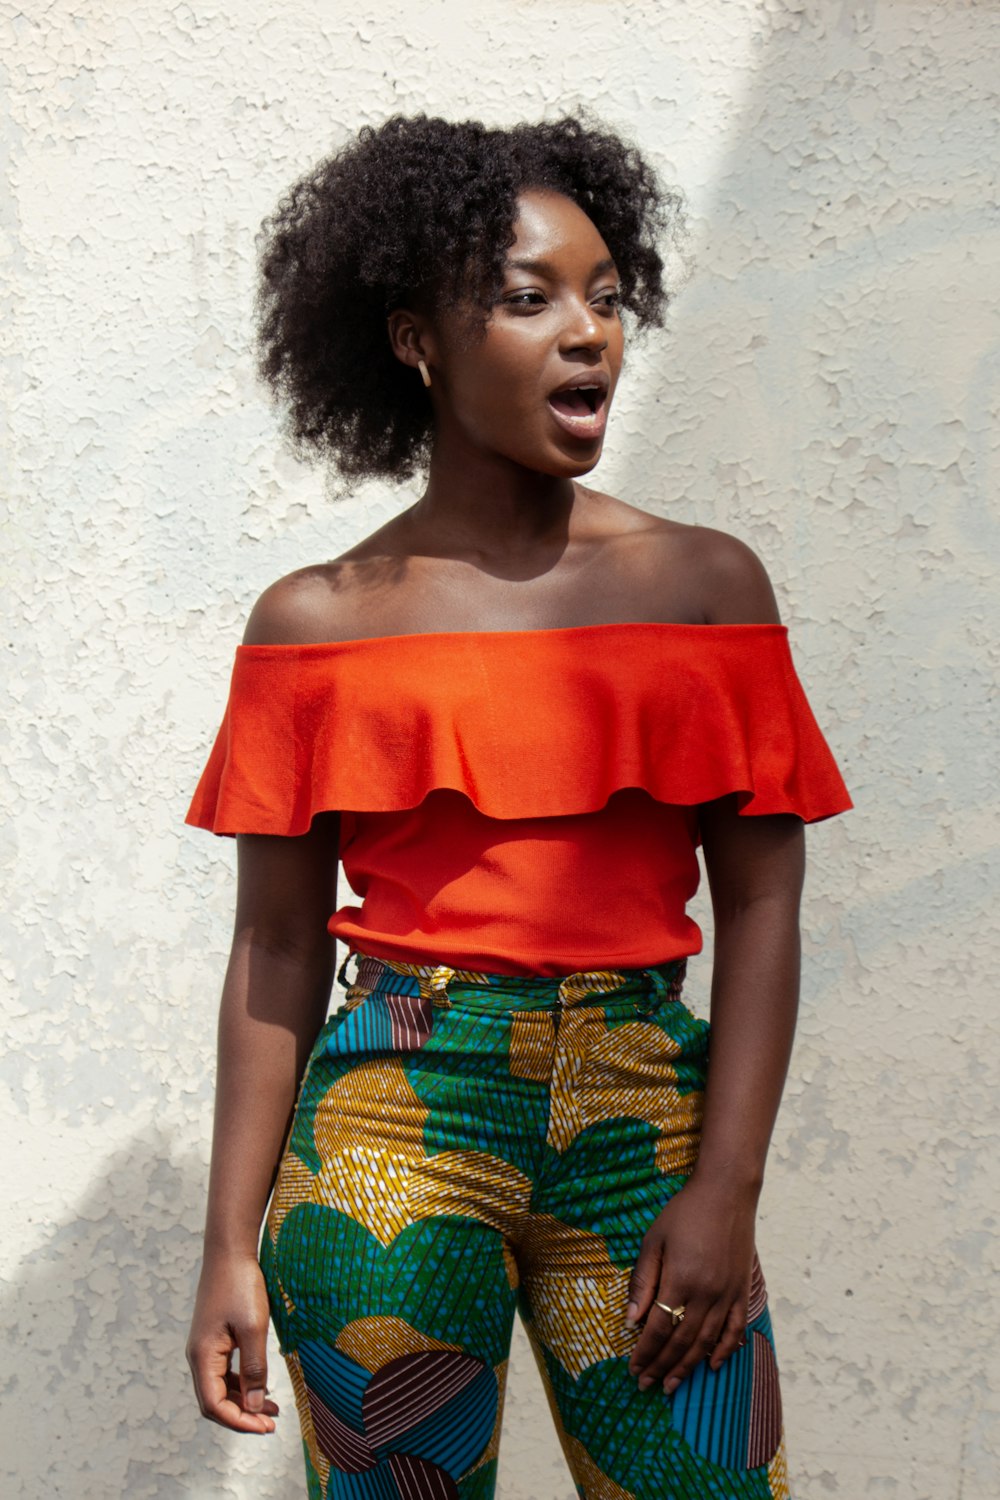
(337, 600)
(689, 572)
(302, 608)
(732, 582)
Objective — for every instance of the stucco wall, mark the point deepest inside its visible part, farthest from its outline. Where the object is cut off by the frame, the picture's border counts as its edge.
(827, 390)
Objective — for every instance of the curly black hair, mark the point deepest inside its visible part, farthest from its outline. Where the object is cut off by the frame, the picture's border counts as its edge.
(422, 206)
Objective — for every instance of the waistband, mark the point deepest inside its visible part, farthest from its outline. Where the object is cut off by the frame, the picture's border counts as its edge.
(476, 990)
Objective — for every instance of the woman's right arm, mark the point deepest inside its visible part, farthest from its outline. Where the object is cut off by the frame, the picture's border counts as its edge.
(274, 1002)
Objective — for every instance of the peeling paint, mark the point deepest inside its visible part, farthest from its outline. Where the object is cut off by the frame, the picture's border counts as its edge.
(827, 389)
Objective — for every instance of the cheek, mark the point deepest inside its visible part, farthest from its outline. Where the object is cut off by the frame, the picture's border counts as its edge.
(502, 400)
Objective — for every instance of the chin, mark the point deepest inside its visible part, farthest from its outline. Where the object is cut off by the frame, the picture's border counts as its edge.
(568, 467)
(558, 463)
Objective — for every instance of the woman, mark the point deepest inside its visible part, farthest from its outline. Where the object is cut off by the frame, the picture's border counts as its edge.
(513, 712)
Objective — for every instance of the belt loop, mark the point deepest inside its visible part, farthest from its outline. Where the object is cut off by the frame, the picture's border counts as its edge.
(342, 971)
(658, 991)
(664, 990)
(660, 986)
(440, 978)
(569, 990)
(576, 987)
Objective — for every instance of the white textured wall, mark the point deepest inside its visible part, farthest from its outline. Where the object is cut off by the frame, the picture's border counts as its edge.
(827, 390)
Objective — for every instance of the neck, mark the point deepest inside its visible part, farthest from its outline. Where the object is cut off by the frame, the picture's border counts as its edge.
(480, 502)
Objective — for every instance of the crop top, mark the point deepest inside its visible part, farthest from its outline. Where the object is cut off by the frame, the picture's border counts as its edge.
(518, 801)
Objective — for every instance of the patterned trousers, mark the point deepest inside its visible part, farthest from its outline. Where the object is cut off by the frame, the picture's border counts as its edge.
(467, 1145)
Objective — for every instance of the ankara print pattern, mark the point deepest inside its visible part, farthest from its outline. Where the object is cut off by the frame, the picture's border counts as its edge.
(468, 1146)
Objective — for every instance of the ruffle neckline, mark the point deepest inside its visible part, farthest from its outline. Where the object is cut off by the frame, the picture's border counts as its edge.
(524, 723)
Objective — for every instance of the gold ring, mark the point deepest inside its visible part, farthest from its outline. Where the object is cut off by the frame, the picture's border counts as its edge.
(676, 1313)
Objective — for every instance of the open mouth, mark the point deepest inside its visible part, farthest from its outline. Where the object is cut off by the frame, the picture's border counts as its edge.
(580, 410)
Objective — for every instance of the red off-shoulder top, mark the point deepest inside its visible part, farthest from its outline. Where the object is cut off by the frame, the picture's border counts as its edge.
(519, 801)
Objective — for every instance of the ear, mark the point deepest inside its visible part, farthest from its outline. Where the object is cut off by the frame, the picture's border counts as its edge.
(410, 337)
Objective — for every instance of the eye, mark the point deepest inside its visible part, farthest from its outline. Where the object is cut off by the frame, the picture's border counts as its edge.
(518, 298)
(612, 299)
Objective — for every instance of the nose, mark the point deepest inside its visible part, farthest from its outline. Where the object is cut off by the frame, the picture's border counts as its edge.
(583, 328)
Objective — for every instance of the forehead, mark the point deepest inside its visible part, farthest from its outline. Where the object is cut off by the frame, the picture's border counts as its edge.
(550, 225)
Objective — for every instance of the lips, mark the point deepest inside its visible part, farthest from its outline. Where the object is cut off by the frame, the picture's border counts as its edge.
(580, 404)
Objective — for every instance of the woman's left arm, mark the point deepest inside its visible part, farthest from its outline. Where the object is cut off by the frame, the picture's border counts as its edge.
(699, 1250)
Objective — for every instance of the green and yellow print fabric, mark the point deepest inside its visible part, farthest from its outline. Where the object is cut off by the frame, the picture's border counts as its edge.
(466, 1146)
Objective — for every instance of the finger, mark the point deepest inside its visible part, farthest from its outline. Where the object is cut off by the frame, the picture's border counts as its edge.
(733, 1335)
(661, 1334)
(252, 1343)
(209, 1362)
(217, 1391)
(233, 1389)
(700, 1348)
(643, 1283)
(229, 1412)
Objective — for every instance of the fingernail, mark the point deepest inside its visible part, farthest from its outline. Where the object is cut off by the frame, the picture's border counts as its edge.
(255, 1400)
(671, 1385)
(631, 1314)
(645, 1381)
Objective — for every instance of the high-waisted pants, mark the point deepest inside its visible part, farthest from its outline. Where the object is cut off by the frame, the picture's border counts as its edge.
(466, 1145)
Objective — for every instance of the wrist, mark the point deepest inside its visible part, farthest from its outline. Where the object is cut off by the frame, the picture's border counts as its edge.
(731, 1178)
(228, 1247)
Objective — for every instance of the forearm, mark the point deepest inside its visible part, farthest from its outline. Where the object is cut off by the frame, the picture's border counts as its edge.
(273, 1006)
(754, 1006)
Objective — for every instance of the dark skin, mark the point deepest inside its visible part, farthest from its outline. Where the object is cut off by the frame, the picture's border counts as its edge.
(505, 537)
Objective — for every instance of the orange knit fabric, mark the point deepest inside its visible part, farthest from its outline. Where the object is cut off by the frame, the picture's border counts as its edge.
(519, 801)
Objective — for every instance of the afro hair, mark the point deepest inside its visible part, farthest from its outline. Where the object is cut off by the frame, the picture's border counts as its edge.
(426, 205)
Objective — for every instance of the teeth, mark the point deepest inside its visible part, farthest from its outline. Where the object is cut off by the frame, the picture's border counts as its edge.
(589, 394)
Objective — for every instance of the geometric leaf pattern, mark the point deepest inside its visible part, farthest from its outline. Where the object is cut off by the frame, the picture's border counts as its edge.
(466, 1146)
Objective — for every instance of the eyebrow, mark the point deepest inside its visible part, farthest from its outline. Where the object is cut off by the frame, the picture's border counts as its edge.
(545, 267)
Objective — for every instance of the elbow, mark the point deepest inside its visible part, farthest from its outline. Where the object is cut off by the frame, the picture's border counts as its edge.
(309, 948)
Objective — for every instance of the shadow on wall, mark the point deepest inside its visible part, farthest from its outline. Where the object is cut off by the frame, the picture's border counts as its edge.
(98, 1315)
(841, 339)
(843, 417)
(837, 327)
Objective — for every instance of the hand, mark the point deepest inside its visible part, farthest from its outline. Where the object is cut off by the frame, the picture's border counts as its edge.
(698, 1251)
(231, 1312)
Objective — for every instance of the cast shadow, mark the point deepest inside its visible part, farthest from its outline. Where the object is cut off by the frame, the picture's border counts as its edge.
(96, 1318)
